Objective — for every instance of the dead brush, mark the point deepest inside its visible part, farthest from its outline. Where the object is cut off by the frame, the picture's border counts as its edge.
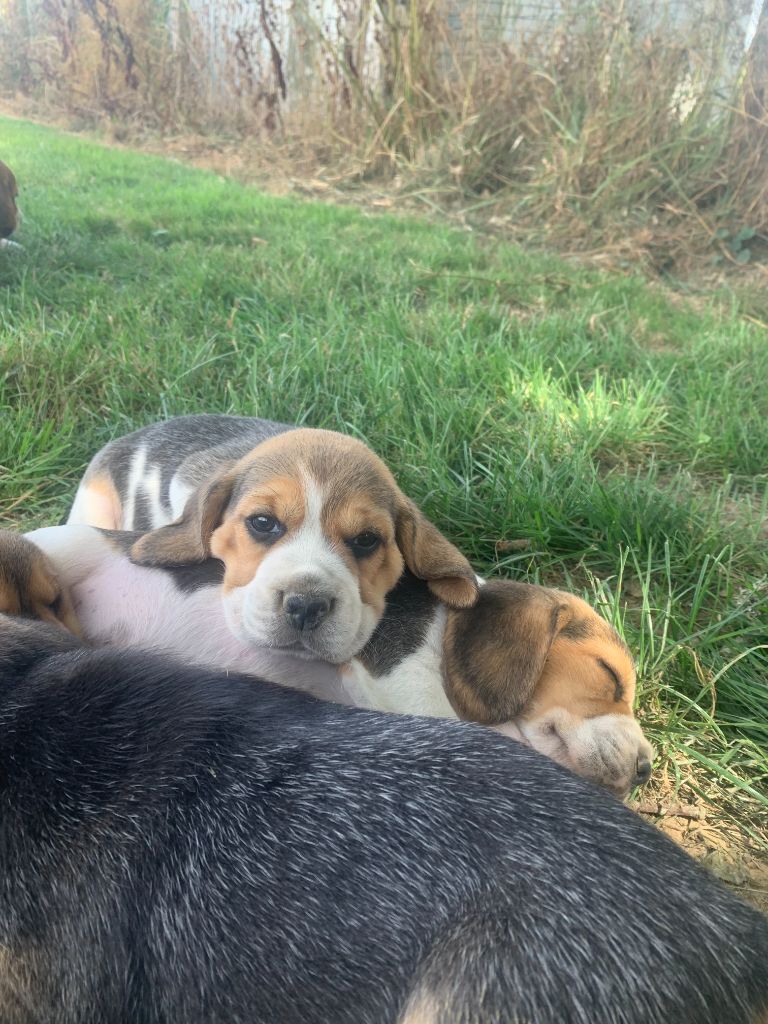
(633, 130)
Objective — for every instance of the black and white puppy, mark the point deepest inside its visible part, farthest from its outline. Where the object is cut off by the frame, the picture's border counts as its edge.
(180, 846)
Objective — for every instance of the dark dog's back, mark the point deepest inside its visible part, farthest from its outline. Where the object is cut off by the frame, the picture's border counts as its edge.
(182, 848)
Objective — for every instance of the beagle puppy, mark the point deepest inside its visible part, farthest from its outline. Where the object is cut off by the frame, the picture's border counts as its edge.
(9, 211)
(537, 664)
(181, 846)
(30, 586)
(310, 526)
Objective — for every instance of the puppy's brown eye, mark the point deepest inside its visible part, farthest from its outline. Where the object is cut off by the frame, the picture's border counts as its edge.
(264, 527)
(364, 543)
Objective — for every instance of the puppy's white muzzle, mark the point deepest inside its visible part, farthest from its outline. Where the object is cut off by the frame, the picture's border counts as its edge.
(611, 750)
(305, 599)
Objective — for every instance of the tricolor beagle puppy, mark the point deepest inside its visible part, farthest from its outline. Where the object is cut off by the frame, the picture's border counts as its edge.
(310, 526)
(9, 211)
(181, 846)
(537, 664)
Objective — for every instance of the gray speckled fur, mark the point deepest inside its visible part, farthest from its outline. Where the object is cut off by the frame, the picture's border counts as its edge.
(196, 447)
(184, 847)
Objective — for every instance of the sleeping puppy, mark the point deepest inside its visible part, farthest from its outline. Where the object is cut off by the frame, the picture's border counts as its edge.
(9, 212)
(30, 585)
(310, 525)
(538, 664)
(183, 847)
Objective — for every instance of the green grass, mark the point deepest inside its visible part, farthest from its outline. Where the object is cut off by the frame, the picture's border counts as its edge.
(621, 436)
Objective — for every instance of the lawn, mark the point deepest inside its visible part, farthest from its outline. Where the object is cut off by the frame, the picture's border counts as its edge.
(557, 423)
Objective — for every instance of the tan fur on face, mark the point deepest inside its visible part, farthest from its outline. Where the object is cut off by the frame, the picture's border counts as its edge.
(29, 585)
(9, 214)
(378, 573)
(280, 496)
(579, 671)
(359, 494)
(522, 644)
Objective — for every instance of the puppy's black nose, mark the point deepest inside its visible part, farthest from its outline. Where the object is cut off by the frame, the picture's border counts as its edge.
(306, 611)
(642, 771)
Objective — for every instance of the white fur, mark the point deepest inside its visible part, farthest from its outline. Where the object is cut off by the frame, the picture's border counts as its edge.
(136, 477)
(178, 492)
(151, 486)
(76, 550)
(605, 748)
(78, 512)
(413, 687)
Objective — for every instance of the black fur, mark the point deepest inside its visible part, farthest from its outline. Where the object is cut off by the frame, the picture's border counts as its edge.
(183, 847)
(410, 611)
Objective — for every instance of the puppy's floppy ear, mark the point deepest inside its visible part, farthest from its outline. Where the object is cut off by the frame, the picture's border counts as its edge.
(60, 611)
(431, 557)
(188, 540)
(30, 586)
(495, 652)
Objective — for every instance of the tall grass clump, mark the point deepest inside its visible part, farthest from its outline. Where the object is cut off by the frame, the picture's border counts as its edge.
(636, 127)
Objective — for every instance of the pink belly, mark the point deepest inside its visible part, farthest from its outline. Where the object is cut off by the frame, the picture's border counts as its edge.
(123, 605)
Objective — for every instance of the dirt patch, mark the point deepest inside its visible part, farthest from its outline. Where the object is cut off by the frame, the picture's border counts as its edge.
(718, 845)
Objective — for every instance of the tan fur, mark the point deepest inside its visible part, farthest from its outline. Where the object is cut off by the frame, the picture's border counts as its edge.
(29, 585)
(573, 676)
(523, 649)
(102, 503)
(378, 573)
(359, 494)
(9, 214)
(280, 496)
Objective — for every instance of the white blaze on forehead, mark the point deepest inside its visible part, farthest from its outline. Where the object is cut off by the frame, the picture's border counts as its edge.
(314, 499)
(307, 557)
